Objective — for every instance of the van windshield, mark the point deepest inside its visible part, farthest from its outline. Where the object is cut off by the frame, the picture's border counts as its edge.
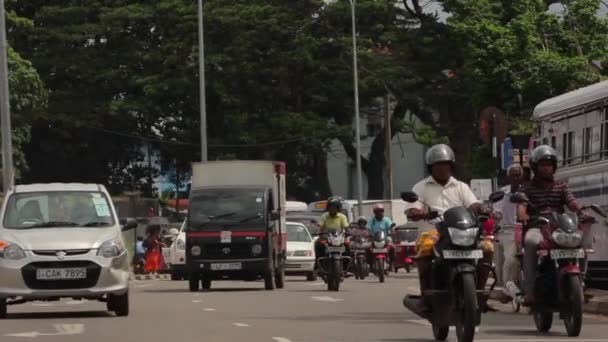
(226, 207)
(58, 209)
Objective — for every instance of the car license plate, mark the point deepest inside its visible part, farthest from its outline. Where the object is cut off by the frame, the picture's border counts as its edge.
(332, 249)
(226, 266)
(567, 254)
(61, 273)
(464, 254)
(379, 250)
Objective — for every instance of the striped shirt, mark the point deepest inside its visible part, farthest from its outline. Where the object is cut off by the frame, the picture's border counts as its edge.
(548, 198)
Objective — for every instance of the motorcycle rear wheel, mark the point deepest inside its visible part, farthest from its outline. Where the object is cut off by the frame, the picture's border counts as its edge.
(440, 333)
(573, 317)
(467, 307)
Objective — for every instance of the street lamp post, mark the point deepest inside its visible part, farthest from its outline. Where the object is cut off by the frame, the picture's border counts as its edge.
(357, 128)
(5, 113)
(201, 67)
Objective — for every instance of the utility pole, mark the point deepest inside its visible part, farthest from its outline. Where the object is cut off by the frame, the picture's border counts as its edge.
(357, 128)
(201, 68)
(8, 172)
(388, 138)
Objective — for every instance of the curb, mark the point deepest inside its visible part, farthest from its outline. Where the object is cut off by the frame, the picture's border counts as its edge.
(141, 277)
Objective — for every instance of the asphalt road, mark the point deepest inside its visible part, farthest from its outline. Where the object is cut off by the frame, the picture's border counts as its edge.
(165, 311)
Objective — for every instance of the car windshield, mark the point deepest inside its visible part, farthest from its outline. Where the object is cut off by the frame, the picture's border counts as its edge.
(297, 233)
(58, 209)
(226, 207)
(311, 223)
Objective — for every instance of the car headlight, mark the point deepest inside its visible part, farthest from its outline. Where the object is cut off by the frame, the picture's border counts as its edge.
(302, 253)
(379, 244)
(256, 249)
(195, 250)
(11, 251)
(180, 244)
(463, 237)
(567, 239)
(111, 248)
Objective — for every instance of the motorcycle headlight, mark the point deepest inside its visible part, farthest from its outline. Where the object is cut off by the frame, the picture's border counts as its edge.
(567, 239)
(11, 251)
(111, 248)
(379, 244)
(180, 244)
(256, 249)
(463, 237)
(195, 250)
(336, 240)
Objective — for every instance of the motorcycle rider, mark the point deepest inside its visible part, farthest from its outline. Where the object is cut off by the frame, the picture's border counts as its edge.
(332, 220)
(441, 191)
(548, 195)
(379, 222)
(361, 227)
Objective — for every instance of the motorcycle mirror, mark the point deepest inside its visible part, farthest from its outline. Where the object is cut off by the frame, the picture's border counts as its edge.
(497, 196)
(409, 197)
(519, 197)
(598, 210)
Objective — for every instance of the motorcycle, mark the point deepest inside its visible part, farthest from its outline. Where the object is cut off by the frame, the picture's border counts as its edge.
(359, 251)
(453, 294)
(559, 281)
(405, 247)
(139, 263)
(334, 264)
(381, 246)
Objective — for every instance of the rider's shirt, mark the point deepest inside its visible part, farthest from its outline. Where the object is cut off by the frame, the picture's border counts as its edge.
(441, 198)
(550, 198)
(375, 225)
(507, 209)
(334, 223)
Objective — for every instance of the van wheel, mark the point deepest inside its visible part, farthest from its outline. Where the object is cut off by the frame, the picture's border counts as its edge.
(119, 304)
(2, 308)
(193, 282)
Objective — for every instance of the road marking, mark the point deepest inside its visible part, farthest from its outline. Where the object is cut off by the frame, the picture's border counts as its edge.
(281, 339)
(197, 294)
(327, 299)
(420, 321)
(60, 329)
(143, 285)
(209, 309)
(453, 328)
(70, 302)
(241, 325)
(197, 301)
(315, 284)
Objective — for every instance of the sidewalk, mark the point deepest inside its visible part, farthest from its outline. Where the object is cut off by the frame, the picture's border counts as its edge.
(597, 304)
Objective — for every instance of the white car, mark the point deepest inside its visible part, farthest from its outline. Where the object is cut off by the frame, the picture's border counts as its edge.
(178, 255)
(63, 241)
(300, 251)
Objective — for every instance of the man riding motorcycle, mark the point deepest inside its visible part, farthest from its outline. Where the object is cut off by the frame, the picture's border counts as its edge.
(379, 222)
(332, 220)
(441, 191)
(548, 195)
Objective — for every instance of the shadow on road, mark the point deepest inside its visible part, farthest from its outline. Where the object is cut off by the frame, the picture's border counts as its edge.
(58, 315)
(359, 318)
(227, 289)
(519, 332)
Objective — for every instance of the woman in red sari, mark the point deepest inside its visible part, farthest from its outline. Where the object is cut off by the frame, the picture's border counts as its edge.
(153, 250)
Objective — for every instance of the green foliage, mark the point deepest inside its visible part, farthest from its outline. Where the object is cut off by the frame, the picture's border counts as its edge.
(523, 126)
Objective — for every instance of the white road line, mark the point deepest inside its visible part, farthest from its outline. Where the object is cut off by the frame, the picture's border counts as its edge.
(315, 284)
(419, 321)
(209, 309)
(281, 339)
(241, 325)
(143, 285)
(197, 301)
(453, 328)
(327, 299)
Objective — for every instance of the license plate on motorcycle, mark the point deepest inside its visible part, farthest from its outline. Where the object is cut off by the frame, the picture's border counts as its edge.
(332, 249)
(567, 254)
(379, 250)
(463, 254)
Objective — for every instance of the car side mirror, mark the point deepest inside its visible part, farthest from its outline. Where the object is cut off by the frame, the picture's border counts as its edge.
(497, 196)
(409, 196)
(128, 224)
(275, 215)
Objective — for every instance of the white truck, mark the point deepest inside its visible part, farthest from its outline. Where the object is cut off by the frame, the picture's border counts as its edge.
(236, 223)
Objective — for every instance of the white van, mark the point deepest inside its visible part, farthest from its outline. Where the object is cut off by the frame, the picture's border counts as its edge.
(63, 241)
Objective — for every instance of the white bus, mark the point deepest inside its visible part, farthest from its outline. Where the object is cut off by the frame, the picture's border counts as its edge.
(576, 125)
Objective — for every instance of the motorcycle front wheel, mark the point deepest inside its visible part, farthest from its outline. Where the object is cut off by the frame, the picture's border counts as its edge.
(440, 333)
(573, 317)
(334, 277)
(467, 308)
(380, 269)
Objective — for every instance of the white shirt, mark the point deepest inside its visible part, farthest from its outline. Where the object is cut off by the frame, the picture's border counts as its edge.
(441, 198)
(507, 209)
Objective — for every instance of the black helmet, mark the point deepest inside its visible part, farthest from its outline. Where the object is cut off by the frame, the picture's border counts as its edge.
(334, 202)
(543, 152)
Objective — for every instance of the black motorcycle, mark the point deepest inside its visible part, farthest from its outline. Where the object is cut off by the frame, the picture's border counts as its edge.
(454, 294)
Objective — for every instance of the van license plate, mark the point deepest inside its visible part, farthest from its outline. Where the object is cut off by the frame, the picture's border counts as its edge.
(465, 254)
(61, 273)
(227, 266)
(567, 254)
